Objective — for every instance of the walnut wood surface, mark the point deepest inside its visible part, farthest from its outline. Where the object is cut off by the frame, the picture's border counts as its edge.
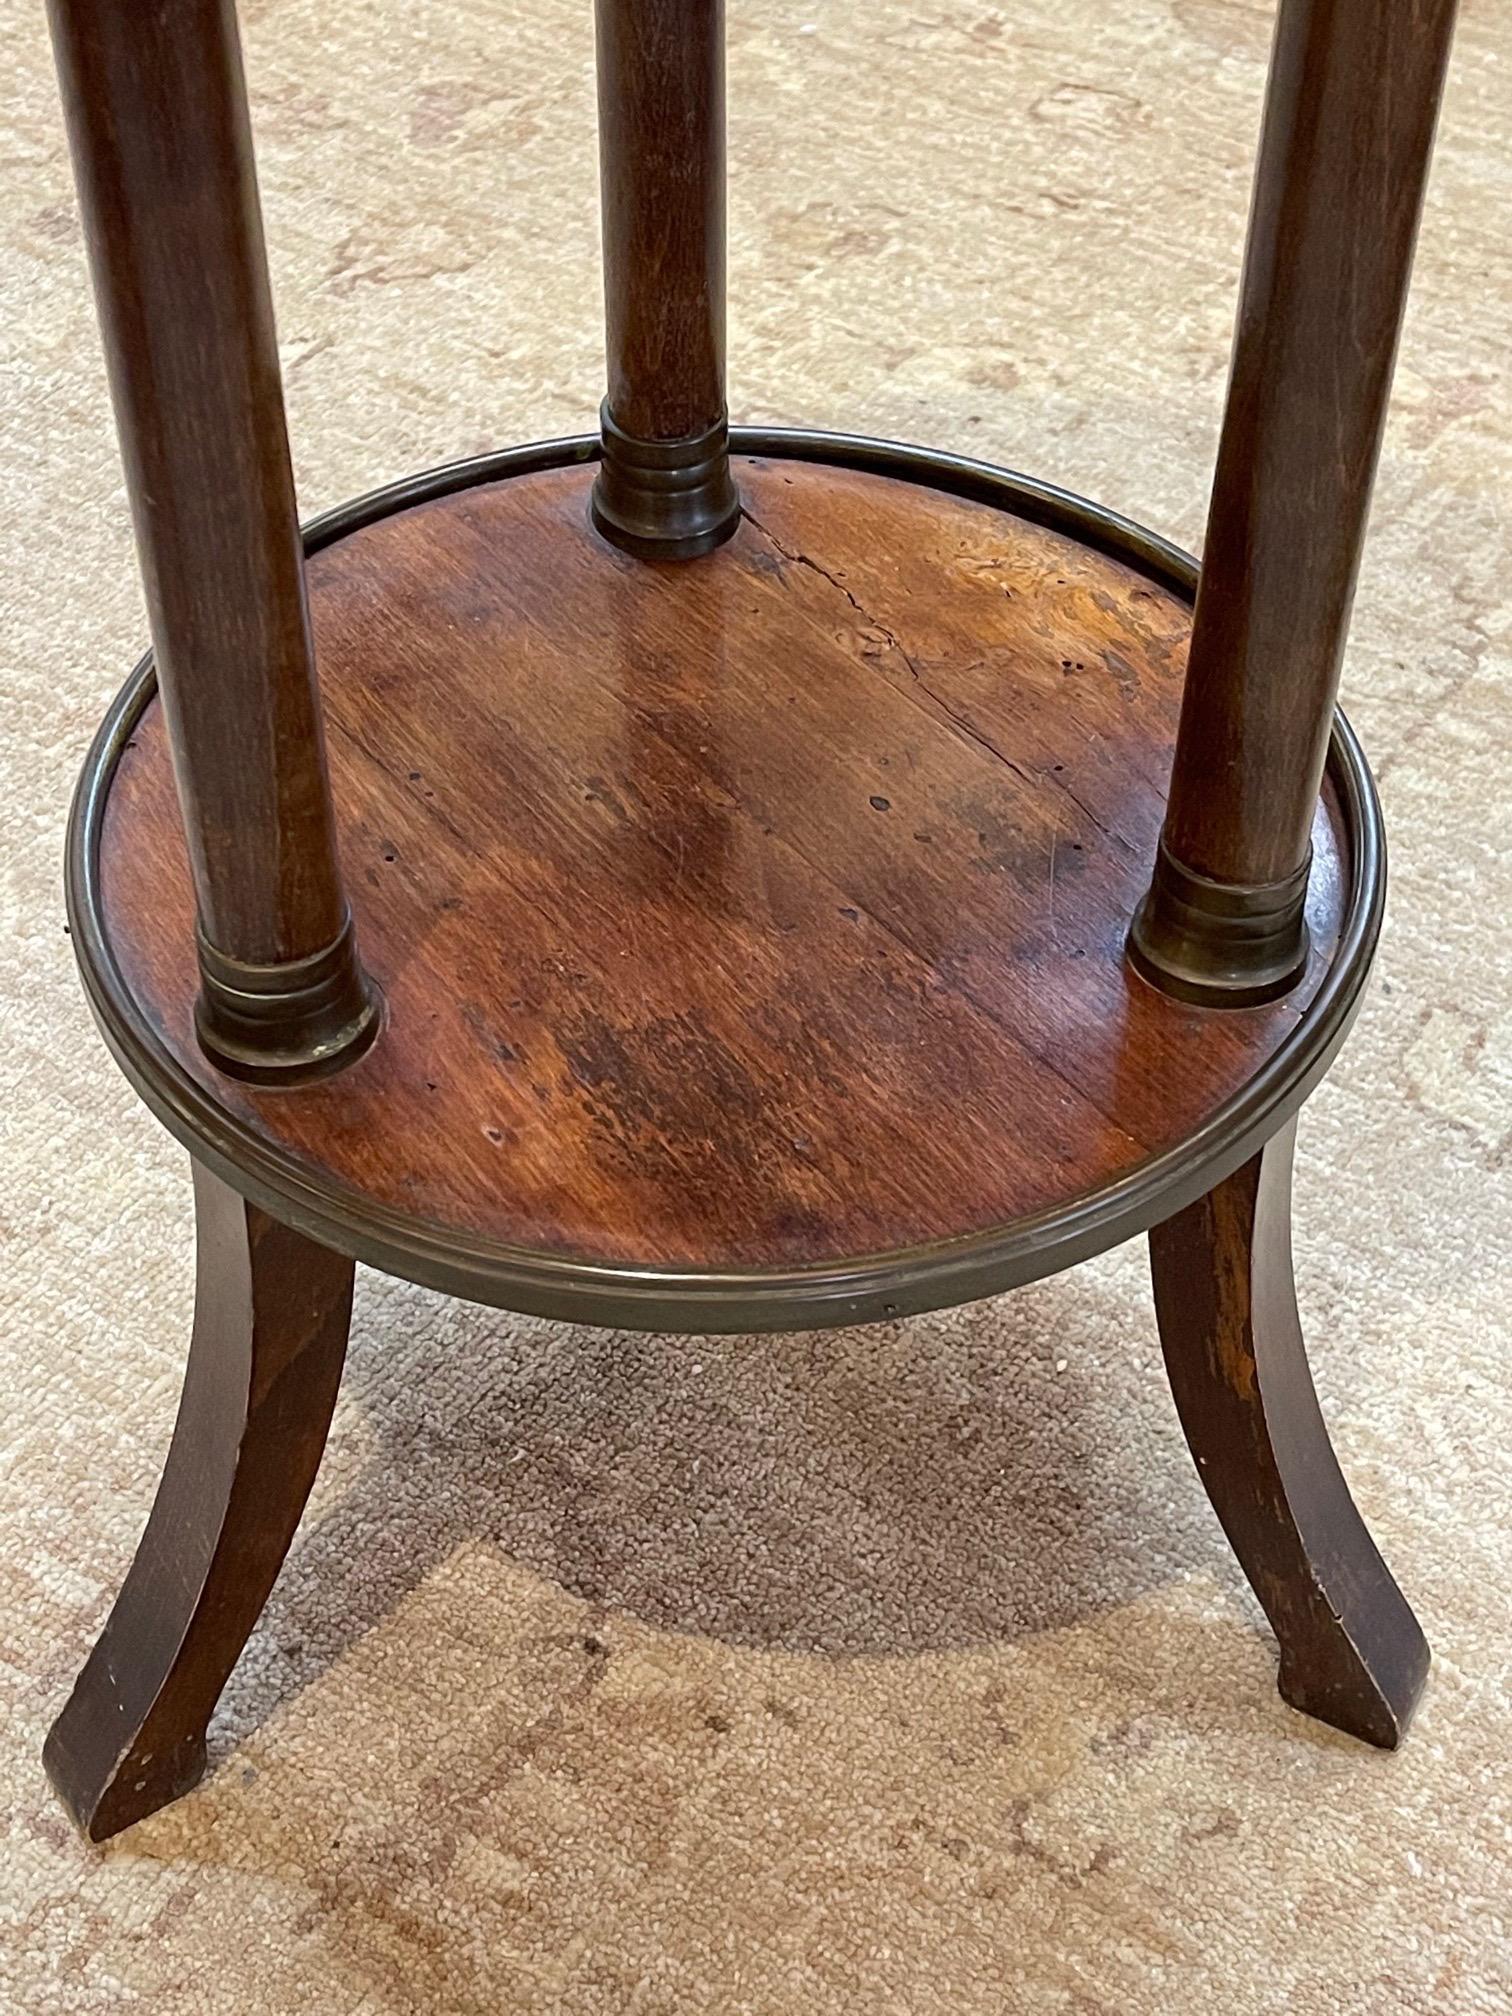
(1351, 109)
(662, 145)
(760, 911)
(270, 1329)
(162, 155)
(1352, 1652)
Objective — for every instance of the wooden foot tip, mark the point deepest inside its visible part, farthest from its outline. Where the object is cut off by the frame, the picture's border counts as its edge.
(103, 1802)
(1375, 1707)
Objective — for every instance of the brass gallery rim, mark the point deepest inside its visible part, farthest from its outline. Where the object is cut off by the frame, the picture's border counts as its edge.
(868, 1287)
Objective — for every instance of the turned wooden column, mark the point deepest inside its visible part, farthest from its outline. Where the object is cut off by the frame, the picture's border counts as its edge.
(157, 119)
(664, 489)
(1349, 120)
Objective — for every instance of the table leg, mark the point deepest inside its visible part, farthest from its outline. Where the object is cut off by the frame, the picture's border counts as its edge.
(1351, 1650)
(664, 490)
(162, 151)
(1344, 154)
(270, 1329)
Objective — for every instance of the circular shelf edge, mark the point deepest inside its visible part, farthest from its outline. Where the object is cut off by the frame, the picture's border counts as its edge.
(871, 1286)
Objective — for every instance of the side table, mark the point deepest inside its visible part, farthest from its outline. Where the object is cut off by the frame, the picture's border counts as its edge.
(723, 879)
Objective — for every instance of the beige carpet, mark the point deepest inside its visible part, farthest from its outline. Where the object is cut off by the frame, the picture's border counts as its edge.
(892, 1671)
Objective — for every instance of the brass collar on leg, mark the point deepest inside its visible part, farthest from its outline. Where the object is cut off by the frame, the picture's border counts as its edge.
(1220, 944)
(665, 500)
(284, 1023)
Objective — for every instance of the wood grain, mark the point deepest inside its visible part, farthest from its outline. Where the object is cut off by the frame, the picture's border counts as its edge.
(1352, 1652)
(664, 488)
(1352, 105)
(270, 1329)
(162, 155)
(661, 141)
(764, 910)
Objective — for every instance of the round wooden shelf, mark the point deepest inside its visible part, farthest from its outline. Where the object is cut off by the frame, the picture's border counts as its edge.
(750, 931)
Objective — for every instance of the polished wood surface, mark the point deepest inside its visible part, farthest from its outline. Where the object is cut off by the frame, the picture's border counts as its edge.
(162, 155)
(662, 148)
(1352, 1652)
(270, 1328)
(664, 487)
(1352, 103)
(754, 912)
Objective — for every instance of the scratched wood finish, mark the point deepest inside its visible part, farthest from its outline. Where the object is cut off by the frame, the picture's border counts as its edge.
(271, 1311)
(1352, 1652)
(162, 155)
(762, 911)
(1352, 104)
